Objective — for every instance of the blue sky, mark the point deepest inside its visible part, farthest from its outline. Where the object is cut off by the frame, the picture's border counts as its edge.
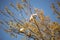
(45, 5)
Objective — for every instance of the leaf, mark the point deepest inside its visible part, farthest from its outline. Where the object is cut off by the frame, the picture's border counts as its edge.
(36, 9)
(58, 17)
(58, 4)
(13, 35)
(41, 15)
(13, 6)
(8, 11)
(8, 31)
(23, 0)
(19, 6)
(2, 12)
(55, 9)
(24, 38)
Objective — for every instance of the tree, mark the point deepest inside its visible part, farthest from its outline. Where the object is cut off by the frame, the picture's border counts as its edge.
(37, 26)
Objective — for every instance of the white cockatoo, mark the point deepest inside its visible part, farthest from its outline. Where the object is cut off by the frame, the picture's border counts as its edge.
(32, 17)
(22, 29)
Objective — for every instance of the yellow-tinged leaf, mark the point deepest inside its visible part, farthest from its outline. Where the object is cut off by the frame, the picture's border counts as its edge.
(23, 0)
(52, 38)
(8, 11)
(13, 35)
(58, 4)
(13, 6)
(41, 15)
(19, 6)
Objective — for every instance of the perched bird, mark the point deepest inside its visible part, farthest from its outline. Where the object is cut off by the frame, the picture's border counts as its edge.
(22, 30)
(32, 17)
